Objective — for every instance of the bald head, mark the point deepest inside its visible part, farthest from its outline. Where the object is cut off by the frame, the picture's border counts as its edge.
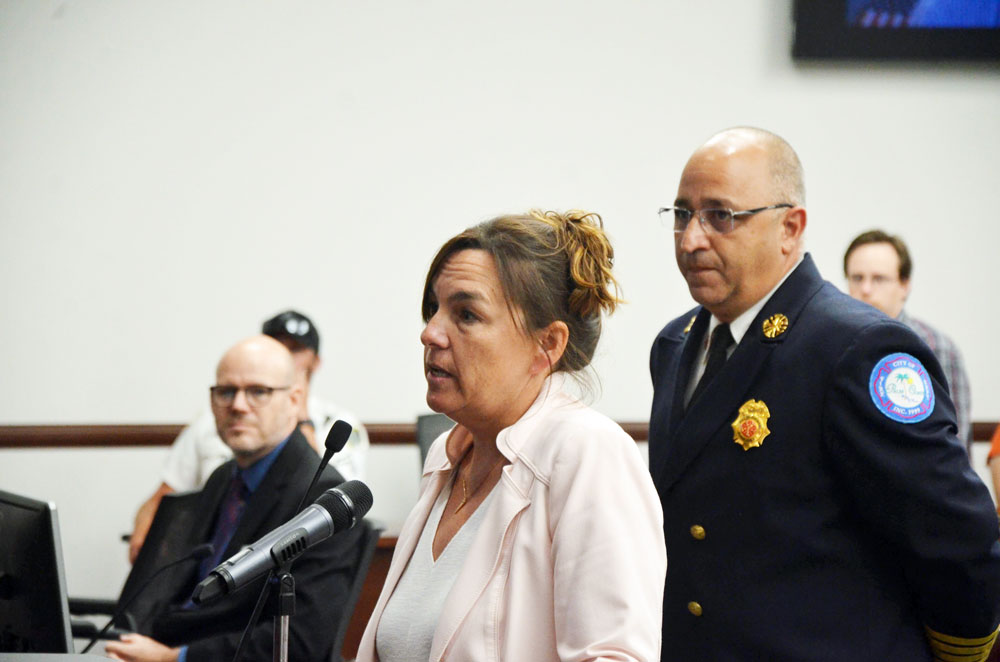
(256, 398)
(743, 170)
(261, 351)
(783, 163)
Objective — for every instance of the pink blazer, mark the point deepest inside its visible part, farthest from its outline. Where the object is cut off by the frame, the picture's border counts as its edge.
(569, 561)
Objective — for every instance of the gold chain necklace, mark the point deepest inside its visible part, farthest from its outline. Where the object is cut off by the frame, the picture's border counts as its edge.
(465, 484)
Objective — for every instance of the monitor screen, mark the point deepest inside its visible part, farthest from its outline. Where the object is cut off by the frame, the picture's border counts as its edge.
(34, 613)
(929, 30)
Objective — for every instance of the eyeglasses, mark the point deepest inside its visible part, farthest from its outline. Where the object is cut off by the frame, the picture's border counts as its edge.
(257, 395)
(716, 220)
(877, 281)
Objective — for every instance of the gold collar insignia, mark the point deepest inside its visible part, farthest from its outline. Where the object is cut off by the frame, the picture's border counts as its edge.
(775, 325)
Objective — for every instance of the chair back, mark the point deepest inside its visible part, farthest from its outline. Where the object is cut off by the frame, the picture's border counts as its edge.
(429, 428)
(366, 550)
(166, 542)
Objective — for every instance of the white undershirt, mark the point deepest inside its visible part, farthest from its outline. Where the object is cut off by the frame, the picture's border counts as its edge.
(406, 631)
(738, 327)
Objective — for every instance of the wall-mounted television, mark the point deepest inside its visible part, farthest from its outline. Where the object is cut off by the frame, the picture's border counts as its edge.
(929, 30)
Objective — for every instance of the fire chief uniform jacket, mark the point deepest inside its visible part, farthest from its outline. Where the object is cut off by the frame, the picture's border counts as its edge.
(851, 532)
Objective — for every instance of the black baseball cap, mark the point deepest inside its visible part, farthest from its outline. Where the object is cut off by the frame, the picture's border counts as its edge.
(294, 326)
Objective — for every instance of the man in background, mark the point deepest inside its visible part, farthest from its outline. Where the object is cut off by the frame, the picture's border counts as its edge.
(878, 267)
(256, 402)
(199, 450)
(817, 504)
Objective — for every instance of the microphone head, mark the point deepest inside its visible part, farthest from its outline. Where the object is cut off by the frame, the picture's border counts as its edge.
(337, 438)
(360, 494)
(346, 503)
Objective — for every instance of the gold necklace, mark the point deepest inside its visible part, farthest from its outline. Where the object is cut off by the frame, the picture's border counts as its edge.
(465, 483)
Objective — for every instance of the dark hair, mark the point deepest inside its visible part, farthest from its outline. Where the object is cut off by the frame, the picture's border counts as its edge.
(880, 237)
(551, 267)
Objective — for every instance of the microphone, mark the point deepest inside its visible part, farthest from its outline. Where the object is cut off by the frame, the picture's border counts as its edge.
(200, 552)
(336, 439)
(337, 509)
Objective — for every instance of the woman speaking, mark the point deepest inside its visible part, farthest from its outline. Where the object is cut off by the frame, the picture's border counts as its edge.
(538, 534)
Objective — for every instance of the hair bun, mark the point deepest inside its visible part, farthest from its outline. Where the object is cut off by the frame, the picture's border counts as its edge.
(590, 256)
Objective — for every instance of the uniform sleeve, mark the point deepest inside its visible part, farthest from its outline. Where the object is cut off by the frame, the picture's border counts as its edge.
(909, 477)
(181, 470)
(609, 558)
(351, 460)
(653, 360)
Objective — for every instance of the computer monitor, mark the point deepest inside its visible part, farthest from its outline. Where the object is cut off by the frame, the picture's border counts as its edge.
(34, 613)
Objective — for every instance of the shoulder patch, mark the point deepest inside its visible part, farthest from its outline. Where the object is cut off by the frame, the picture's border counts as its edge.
(901, 389)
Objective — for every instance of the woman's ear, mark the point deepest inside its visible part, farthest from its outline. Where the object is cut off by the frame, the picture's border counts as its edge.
(552, 342)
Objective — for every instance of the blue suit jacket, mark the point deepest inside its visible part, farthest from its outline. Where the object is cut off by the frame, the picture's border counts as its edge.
(845, 532)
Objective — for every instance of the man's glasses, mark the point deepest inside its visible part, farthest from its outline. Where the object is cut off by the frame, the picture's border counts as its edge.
(717, 221)
(878, 280)
(256, 395)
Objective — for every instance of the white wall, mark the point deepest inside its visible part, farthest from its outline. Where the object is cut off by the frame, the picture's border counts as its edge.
(171, 173)
(174, 172)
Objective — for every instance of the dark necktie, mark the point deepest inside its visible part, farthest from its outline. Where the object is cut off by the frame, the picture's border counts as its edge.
(718, 347)
(230, 512)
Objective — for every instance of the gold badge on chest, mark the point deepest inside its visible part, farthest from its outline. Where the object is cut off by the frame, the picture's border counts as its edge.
(750, 427)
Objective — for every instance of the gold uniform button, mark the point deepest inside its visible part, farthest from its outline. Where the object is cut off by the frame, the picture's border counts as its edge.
(694, 608)
(698, 532)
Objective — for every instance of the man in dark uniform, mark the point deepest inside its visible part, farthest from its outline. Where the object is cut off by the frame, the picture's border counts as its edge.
(256, 400)
(817, 502)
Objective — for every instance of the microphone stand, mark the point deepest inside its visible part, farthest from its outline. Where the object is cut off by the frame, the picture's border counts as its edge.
(255, 616)
(286, 609)
(336, 439)
(287, 549)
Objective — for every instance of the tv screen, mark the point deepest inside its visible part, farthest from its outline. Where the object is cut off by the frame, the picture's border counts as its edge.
(34, 613)
(928, 30)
